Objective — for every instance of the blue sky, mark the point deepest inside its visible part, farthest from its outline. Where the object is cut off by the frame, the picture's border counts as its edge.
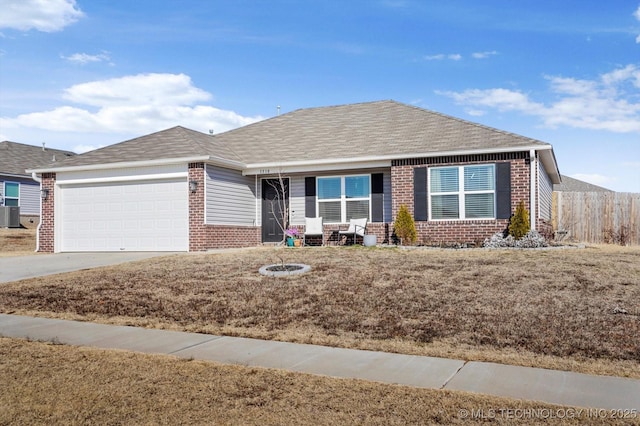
(82, 74)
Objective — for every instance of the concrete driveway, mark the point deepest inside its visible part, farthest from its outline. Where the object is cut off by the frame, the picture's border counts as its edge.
(21, 267)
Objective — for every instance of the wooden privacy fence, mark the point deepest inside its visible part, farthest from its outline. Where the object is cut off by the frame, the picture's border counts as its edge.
(597, 217)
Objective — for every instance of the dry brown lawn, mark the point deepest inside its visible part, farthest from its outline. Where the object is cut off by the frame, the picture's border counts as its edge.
(570, 309)
(45, 384)
(18, 241)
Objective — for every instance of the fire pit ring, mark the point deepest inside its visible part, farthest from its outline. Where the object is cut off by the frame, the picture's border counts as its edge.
(284, 270)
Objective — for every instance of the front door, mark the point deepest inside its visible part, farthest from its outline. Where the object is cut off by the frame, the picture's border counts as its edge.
(275, 209)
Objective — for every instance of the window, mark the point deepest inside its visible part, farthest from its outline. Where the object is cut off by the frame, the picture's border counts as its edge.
(342, 198)
(462, 192)
(11, 194)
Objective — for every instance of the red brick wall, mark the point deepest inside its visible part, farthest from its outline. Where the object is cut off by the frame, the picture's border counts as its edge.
(47, 221)
(227, 236)
(457, 231)
(197, 228)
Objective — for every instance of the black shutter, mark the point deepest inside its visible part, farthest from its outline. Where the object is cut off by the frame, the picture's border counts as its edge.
(503, 190)
(377, 197)
(420, 202)
(310, 196)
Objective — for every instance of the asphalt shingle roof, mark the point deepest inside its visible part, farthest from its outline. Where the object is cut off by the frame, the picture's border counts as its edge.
(15, 157)
(176, 142)
(361, 130)
(574, 185)
(382, 128)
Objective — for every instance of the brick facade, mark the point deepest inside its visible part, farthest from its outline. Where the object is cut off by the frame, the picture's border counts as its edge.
(47, 220)
(458, 231)
(203, 236)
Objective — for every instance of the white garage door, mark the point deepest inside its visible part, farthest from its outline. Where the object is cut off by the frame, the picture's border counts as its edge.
(135, 216)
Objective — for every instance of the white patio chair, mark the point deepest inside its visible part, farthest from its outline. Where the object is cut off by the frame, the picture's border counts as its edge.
(313, 227)
(357, 227)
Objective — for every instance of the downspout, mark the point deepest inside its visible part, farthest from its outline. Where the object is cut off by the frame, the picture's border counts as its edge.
(533, 162)
(35, 177)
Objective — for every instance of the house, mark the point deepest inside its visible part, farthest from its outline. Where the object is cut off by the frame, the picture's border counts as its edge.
(17, 187)
(182, 190)
(570, 184)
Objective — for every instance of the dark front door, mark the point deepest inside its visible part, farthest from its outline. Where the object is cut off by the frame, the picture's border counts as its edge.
(275, 209)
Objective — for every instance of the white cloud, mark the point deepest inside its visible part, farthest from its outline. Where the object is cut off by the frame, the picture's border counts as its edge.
(138, 90)
(133, 105)
(609, 102)
(441, 56)
(483, 55)
(84, 58)
(500, 99)
(41, 15)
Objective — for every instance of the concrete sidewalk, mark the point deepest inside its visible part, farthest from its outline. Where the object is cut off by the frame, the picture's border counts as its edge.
(556, 387)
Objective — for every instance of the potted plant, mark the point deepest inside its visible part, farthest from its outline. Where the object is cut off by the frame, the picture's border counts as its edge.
(293, 236)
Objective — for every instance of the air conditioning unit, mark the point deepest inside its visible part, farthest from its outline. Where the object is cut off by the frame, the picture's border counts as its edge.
(9, 217)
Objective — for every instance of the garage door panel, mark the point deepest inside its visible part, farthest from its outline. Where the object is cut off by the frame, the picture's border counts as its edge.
(132, 216)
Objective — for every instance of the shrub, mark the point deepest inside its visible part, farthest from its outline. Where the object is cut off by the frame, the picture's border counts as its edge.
(519, 222)
(405, 227)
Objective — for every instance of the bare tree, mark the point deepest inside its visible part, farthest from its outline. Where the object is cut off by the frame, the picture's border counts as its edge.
(278, 204)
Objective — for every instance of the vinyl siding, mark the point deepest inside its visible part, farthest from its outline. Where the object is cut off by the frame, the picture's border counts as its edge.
(230, 197)
(545, 193)
(296, 200)
(29, 196)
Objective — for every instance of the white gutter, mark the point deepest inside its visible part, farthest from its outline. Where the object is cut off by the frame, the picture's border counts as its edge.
(533, 164)
(255, 183)
(35, 177)
(548, 160)
(373, 160)
(146, 163)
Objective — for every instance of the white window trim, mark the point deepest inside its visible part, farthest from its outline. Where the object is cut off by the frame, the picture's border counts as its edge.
(343, 198)
(461, 194)
(4, 193)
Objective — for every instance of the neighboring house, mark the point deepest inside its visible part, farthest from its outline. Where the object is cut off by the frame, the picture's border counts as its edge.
(17, 187)
(569, 184)
(183, 190)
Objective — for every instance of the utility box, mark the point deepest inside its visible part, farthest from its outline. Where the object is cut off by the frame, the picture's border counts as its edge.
(9, 217)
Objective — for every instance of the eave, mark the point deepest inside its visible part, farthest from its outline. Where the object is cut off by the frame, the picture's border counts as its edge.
(375, 161)
(145, 163)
